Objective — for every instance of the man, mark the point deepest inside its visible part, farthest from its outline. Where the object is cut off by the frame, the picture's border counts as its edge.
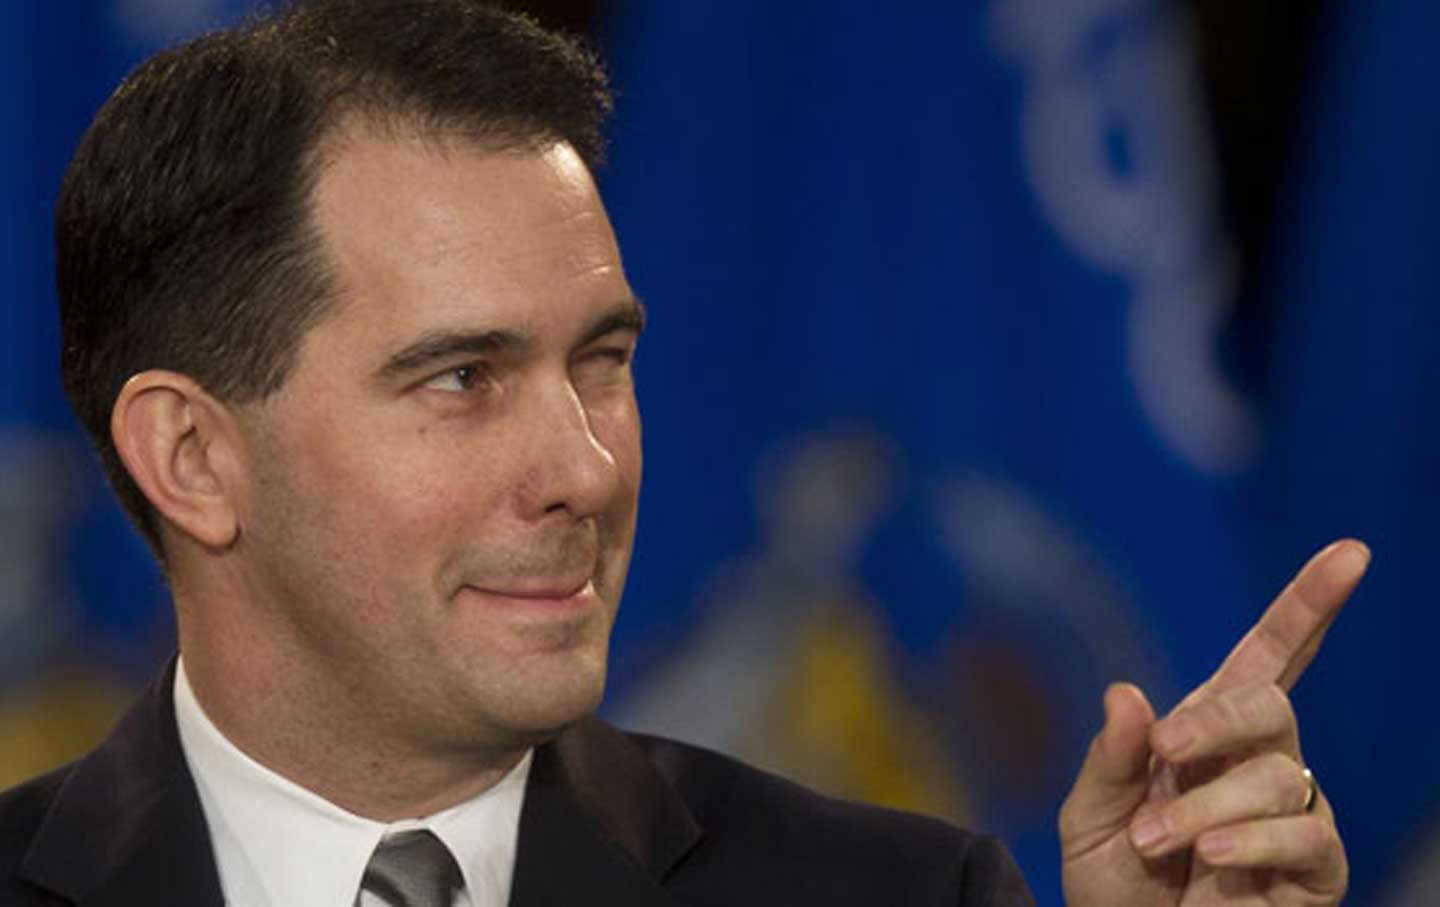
(345, 317)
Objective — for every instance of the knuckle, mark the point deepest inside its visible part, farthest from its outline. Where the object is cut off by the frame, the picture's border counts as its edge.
(1067, 809)
(1276, 705)
(1265, 708)
(1194, 812)
(1067, 822)
(1223, 713)
(1316, 836)
(1283, 778)
(1181, 814)
(1341, 861)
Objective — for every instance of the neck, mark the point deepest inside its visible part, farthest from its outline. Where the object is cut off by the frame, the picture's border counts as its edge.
(264, 703)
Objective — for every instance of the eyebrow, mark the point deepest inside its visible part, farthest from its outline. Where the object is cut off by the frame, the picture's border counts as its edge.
(625, 316)
(440, 345)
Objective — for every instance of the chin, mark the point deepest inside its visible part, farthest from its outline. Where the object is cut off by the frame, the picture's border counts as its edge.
(536, 705)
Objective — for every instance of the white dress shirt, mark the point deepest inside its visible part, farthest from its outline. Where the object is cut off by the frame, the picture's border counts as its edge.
(279, 845)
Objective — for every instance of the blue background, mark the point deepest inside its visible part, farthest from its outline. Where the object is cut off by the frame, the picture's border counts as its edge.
(943, 347)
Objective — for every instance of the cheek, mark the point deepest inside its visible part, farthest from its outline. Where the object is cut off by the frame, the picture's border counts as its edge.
(617, 428)
(388, 487)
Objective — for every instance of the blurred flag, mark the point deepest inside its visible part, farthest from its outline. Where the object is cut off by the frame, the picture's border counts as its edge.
(83, 614)
(947, 291)
(1352, 398)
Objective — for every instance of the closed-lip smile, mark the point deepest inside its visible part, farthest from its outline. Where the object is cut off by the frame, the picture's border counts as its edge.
(538, 592)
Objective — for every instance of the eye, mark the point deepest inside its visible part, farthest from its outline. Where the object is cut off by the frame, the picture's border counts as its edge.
(620, 355)
(459, 380)
(605, 365)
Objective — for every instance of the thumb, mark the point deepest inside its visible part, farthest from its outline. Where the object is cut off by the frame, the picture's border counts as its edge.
(1115, 778)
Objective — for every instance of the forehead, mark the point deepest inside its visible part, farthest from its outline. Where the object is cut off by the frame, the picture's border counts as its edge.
(426, 232)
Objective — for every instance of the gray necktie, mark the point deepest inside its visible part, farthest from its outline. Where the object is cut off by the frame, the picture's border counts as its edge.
(412, 869)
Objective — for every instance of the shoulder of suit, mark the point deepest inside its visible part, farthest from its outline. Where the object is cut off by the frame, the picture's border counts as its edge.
(24, 806)
(715, 785)
(22, 810)
(740, 803)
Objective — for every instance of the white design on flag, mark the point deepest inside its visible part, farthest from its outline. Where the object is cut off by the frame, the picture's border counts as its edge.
(1112, 79)
(818, 499)
(1018, 555)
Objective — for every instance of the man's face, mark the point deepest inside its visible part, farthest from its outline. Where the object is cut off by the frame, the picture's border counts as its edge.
(444, 491)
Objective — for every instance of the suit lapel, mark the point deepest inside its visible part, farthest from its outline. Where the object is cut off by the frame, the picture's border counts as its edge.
(127, 826)
(599, 825)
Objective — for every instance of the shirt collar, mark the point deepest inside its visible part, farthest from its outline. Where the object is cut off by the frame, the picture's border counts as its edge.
(277, 843)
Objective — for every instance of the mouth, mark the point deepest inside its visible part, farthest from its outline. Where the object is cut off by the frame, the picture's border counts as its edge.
(560, 598)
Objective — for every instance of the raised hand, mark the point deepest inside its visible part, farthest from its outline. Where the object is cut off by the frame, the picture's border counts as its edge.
(1211, 806)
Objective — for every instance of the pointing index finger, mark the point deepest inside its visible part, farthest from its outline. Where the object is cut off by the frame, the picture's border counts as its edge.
(1285, 639)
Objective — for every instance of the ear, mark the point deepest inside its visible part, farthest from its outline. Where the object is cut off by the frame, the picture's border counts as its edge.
(177, 442)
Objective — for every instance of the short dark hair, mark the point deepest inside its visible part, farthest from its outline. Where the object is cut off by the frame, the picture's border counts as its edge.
(183, 233)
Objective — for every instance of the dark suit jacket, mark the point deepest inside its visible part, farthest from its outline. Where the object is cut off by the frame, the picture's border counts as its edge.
(609, 818)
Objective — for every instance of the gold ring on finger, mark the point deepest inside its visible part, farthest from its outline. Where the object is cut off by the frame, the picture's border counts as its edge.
(1312, 790)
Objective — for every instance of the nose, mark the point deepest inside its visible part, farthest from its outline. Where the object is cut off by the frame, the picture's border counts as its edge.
(571, 470)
